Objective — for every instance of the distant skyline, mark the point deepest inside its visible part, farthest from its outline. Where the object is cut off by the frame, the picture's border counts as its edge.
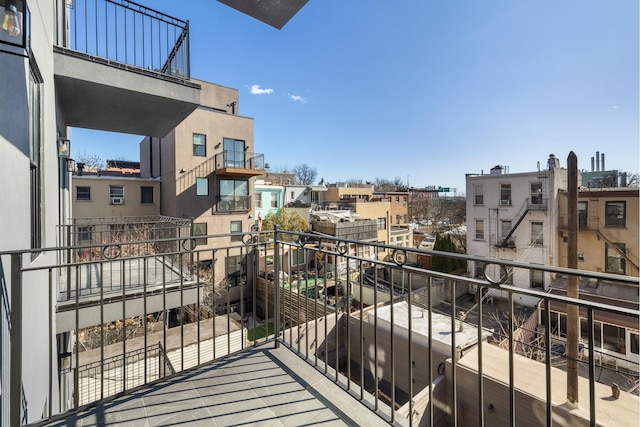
(424, 91)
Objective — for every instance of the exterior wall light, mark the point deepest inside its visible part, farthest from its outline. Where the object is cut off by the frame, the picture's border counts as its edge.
(64, 148)
(71, 165)
(11, 19)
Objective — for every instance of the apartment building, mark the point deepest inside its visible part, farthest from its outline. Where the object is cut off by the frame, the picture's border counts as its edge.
(608, 242)
(514, 216)
(207, 166)
(53, 82)
(399, 205)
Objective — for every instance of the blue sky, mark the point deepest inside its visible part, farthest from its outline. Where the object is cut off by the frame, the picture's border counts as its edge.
(424, 91)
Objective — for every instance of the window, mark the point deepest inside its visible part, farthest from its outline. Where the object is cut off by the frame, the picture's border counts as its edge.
(116, 194)
(235, 270)
(635, 342)
(397, 219)
(478, 191)
(615, 214)
(234, 154)
(234, 195)
(613, 338)
(258, 196)
(83, 193)
(404, 218)
(382, 223)
(536, 279)
(614, 262)
(297, 256)
(479, 269)
(505, 228)
(505, 194)
(236, 227)
(582, 215)
(597, 332)
(293, 196)
(200, 229)
(199, 145)
(536, 233)
(479, 229)
(404, 199)
(536, 193)
(84, 234)
(146, 195)
(274, 200)
(397, 199)
(202, 186)
(35, 150)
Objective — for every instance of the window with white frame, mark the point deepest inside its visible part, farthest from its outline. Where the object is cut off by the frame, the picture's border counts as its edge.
(536, 193)
(202, 186)
(236, 230)
(382, 223)
(258, 196)
(536, 279)
(274, 200)
(505, 194)
(479, 229)
(199, 145)
(536, 233)
(615, 262)
(200, 229)
(116, 194)
(479, 195)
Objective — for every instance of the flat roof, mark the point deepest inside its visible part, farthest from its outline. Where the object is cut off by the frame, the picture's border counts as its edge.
(442, 336)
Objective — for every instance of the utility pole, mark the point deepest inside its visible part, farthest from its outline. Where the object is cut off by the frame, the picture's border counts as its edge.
(573, 319)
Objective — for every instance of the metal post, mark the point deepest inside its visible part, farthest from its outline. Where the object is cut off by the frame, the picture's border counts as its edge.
(573, 319)
(276, 284)
(15, 382)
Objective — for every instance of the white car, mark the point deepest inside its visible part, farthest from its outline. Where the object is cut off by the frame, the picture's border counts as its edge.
(427, 242)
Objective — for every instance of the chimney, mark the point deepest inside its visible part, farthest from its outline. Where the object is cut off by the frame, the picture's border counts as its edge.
(80, 167)
(597, 161)
(602, 162)
(593, 160)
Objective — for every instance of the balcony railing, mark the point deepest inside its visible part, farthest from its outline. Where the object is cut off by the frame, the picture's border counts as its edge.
(234, 203)
(239, 160)
(409, 343)
(124, 32)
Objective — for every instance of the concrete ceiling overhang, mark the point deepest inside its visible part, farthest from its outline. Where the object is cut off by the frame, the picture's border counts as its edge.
(95, 95)
(272, 12)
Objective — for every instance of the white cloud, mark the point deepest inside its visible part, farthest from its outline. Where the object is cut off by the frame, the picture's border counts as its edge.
(614, 107)
(297, 98)
(257, 90)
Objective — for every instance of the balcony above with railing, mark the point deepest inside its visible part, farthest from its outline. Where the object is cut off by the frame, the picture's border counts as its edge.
(239, 163)
(122, 67)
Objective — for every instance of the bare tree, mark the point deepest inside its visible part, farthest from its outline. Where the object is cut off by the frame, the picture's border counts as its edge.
(90, 161)
(306, 174)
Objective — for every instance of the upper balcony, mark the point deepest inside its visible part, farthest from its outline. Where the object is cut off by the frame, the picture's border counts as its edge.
(122, 67)
(381, 341)
(239, 164)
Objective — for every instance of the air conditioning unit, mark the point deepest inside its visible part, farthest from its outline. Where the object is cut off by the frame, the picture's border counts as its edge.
(505, 202)
(117, 201)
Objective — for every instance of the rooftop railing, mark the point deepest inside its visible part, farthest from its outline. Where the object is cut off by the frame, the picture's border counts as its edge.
(414, 345)
(125, 32)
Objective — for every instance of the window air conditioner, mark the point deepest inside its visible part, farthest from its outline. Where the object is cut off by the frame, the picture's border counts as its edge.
(117, 200)
(505, 202)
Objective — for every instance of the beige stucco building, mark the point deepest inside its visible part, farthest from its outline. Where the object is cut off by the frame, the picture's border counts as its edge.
(206, 165)
(110, 196)
(608, 238)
